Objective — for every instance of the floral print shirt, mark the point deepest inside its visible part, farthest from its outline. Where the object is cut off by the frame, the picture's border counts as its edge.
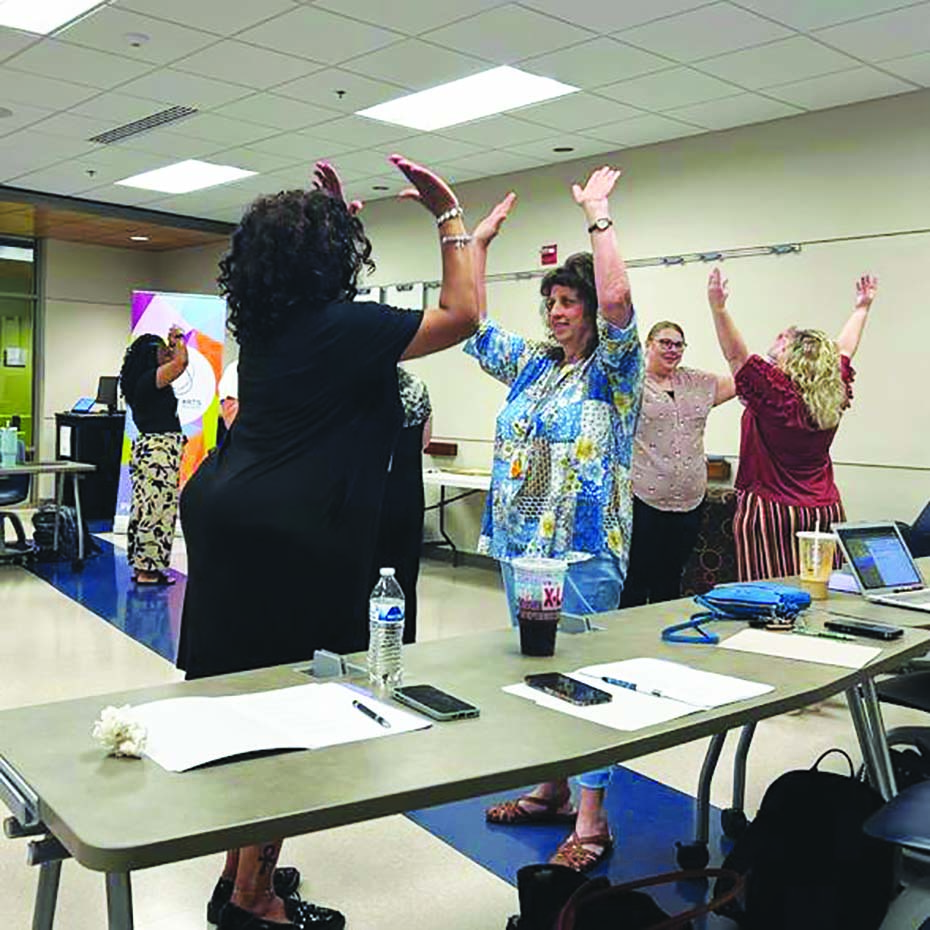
(414, 398)
(560, 479)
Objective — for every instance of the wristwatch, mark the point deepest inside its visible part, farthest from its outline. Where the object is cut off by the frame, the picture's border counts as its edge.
(605, 222)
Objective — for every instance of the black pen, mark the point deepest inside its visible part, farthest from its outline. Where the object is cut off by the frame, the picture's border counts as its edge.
(368, 712)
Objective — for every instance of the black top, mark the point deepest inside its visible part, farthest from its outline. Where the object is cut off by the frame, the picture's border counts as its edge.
(281, 522)
(154, 409)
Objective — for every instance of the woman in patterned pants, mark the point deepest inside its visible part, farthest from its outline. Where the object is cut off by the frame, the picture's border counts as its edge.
(149, 368)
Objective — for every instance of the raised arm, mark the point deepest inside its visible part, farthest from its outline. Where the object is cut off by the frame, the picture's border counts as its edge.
(610, 278)
(456, 317)
(731, 342)
(482, 237)
(851, 333)
(172, 369)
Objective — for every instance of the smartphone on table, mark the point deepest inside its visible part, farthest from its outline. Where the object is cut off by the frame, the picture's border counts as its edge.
(437, 704)
(864, 628)
(568, 689)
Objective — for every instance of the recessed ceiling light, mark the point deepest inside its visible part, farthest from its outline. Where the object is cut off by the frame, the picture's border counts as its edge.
(380, 187)
(186, 176)
(564, 148)
(467, 99)
(139, 238)
(44, 17)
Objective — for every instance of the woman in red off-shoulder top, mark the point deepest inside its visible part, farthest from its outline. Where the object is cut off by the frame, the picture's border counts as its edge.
(793, 404)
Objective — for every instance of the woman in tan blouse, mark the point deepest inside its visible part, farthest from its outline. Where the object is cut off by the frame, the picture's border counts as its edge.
(669, 472)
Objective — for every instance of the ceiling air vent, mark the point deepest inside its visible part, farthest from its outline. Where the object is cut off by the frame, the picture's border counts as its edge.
(161, 118)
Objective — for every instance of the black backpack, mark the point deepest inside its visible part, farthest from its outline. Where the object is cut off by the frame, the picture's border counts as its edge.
(807, 863)
(43, 533)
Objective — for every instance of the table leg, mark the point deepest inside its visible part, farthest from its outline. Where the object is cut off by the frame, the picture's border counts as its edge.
(119, 901)
(77, 516)
(447, 539)
(59, 496)
(46, 895)
(873, 713)
(739, 766)
(871, 735)
(702, 817)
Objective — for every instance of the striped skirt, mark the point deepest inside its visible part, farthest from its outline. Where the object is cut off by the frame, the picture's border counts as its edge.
(764, 531)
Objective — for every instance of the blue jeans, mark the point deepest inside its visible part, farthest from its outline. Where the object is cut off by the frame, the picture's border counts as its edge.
(591, 587)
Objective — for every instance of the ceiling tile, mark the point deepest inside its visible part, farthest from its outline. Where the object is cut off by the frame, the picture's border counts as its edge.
(73, 126)
(219, 130)
(495, 162)
(890, 35)
(611, 17)
(359, 131)
(666, 89)
(36, 91)
(590, 64)
(576, 111)
(740, 110)
(543, 150)
(245, 64)
(507, 34)
(13, 41)
(304, 146)
(82, 65)
(914, 68)
(70, 177)
(796, 58)
(711, 30)
(319, 35)
(408, 16)
(29, 151)
(497, 131)
(173, 147)
(117, 109)
(254, 160)
(340, 90)
(179, 88)
(805, 15)
(128, 196)
(217, 16)
(277, 112)
(364, 188)
(415, 64)
(362, 164)
(21, 117)
(429, 148)
(644, 130)
(837, 89)
(108, 28)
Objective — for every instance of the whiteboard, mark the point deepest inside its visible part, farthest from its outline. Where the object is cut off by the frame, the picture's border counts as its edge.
(889, 422)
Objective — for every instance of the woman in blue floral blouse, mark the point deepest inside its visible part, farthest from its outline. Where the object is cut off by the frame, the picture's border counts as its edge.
(560, 484)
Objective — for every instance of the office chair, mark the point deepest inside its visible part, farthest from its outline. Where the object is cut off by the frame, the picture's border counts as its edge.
(14, 489)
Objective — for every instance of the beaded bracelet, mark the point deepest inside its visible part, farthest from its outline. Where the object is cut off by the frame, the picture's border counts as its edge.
(450, 214)
(459, 242)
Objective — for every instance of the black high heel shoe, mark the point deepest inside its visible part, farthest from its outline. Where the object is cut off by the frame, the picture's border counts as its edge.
(302, 914)
(285, 882)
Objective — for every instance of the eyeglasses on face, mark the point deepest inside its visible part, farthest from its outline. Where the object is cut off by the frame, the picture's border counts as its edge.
(669, 345)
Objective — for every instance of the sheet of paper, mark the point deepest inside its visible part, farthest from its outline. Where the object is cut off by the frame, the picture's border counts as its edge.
(803, 648)
(628, 710)
(186, 732)
(64, 442)
(676, 681)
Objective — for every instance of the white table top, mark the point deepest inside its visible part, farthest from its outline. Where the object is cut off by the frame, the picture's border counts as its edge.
(455, 479)
(60, 466)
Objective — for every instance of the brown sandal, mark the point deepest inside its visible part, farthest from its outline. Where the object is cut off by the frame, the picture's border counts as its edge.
(575, 851)
(527, 809)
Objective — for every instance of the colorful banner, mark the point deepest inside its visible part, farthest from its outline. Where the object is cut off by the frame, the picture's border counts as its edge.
(198, 404)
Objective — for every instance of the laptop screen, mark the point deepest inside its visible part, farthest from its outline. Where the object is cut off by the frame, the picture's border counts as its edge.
(879, 557)
(83, 405)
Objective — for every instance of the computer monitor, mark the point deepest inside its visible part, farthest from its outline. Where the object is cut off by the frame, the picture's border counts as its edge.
(107, 388)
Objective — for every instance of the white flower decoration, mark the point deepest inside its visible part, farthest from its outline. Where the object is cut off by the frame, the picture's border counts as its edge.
(119, 732)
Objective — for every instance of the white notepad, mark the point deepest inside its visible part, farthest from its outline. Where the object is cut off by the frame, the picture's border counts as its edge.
(682, 690)
(803, 648)
(186, 732)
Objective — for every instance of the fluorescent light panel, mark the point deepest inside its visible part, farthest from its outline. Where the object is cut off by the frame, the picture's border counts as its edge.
(467, 99)
(42, 16)
(186, 176)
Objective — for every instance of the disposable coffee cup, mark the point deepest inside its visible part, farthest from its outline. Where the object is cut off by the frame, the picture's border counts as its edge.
(538, 585)
(815, 561)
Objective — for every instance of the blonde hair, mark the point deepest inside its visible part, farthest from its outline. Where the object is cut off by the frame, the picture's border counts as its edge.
(812, 362)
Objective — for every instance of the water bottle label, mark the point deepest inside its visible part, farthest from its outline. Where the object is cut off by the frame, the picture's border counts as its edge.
(394, 614)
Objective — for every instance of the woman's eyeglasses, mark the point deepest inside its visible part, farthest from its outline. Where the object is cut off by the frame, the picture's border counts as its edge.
(669, 345)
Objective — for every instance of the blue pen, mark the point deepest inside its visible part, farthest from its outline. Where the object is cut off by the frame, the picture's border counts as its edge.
(632, 686)
(368, 712)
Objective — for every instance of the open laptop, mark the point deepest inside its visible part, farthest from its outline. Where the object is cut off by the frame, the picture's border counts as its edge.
(883, 565)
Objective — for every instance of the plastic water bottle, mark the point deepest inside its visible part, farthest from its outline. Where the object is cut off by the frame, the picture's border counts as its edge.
(386, 632)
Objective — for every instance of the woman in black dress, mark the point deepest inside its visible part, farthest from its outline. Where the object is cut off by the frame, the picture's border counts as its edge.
(281, 522)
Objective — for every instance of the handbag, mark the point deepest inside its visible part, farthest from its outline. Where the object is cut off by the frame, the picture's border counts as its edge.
(761, 603)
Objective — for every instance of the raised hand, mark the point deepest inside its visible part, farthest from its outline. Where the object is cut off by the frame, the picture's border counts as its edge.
(717, 292)
(428, 188)
(490, 226)
(327, 180)
(598, 188)
(866, 289)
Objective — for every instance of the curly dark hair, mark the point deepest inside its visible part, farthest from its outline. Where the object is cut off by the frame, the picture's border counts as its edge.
(141, 356)
(292, 250)
(578, 274)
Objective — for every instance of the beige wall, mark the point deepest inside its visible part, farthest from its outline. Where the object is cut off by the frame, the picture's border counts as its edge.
(856, 171)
